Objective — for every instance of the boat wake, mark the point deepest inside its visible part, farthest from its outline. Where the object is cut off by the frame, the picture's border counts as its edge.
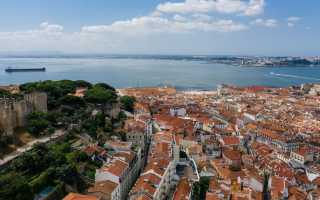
(294, 76)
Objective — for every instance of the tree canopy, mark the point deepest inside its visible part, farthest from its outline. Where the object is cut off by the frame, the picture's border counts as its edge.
(45, 165)
(37, 122)
(105, 86)
(127, 103)
(73, 101)
(55, 89)
(100, 95)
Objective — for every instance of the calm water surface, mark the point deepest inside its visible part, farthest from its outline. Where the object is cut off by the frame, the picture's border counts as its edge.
(147, 72)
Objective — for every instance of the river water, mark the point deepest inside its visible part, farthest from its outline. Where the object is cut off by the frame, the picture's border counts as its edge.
(131, 72)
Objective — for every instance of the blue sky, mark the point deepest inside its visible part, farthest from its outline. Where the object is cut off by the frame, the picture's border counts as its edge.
(246, 27)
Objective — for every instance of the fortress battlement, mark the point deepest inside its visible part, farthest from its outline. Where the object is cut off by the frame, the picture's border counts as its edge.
(13, 112)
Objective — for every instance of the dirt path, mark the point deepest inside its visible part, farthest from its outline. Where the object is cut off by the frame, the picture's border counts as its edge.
(29, 145)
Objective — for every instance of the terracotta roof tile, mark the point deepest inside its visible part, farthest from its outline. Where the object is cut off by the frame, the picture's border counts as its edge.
(230, 140)
(116, 167)
(105, 187)
(183, 190)
(75, 196)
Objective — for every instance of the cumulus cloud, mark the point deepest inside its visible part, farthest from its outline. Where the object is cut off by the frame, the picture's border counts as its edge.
(270, 23)
(185, 16)
(245, 7)
(150, 24)
(45, 26)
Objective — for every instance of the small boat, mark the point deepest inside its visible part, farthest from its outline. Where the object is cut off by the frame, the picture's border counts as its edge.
(10, 70)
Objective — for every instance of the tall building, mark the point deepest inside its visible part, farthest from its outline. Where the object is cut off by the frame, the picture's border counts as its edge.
(158, 178)
(120, 171)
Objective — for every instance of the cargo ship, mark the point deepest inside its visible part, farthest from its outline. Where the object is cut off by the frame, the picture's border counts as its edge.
(10, 70)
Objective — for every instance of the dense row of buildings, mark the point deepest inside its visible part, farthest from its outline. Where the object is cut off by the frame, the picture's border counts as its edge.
(251, 143)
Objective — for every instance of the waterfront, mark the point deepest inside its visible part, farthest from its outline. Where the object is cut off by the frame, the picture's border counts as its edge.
(183, 74)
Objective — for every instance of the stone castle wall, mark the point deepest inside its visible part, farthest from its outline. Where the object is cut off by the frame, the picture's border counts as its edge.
(7, 118)
(13, 113)
(38, 101)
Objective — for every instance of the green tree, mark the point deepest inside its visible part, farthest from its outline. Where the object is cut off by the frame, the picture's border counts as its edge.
(37, 122)
(72, 101)
(105, 86)
(54, 117)
(100, 95)
(54, 89)
(91, 127)
(4, 93)
(200, 189)
(265, 193)
(127, 103)
(66, 173)
(14, 187)
(82, 83)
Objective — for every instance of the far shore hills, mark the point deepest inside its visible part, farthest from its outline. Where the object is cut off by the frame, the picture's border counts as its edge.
(243, 61)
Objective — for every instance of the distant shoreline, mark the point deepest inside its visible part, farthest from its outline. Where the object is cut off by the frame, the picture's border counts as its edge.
(237, 61)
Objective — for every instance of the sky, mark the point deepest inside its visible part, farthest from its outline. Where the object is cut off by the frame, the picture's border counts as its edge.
(199, 27)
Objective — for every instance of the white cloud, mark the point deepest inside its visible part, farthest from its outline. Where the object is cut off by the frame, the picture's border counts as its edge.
(255, 7)
(245, 7)
(45, 30)
(150, 24)
(179, 18)
(45, 37)
(45, 26)
(189, 16)
(202, 17)
(101, 38)
(293, 19)
(271, 23)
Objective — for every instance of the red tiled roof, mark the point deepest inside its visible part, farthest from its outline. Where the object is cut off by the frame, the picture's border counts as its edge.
(134, 125)
(127, 156)
(230, 140)
(278, 185)
(75, 196)
(147, 183)
(231, 154)
(303, 151)
(183, 190)
(117, 167)
(316, 181)
(105, 187)
(296, 194)
(143, 197)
